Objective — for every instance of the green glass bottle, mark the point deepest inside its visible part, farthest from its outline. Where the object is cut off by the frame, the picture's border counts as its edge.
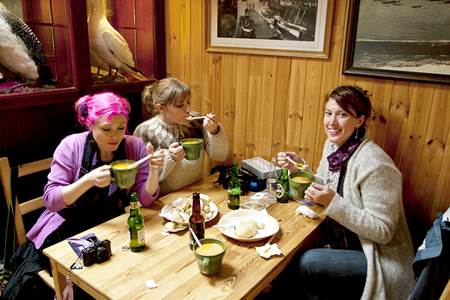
(234, 188)
(136, 225)
(282, 192)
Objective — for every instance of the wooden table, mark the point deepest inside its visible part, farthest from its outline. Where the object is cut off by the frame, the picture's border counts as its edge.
(168, 260)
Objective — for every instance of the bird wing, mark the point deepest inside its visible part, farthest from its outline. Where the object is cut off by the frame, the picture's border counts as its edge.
(14, 54)
(118, 46)
(31, 43)
(96, 61)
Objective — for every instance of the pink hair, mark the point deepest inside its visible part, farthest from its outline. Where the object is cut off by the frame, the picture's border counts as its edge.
(93, 107)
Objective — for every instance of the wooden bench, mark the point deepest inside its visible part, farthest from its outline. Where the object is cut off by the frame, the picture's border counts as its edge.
(21, 209)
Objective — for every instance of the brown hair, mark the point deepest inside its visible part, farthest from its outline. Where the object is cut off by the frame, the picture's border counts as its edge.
(164, 91)
(355, 101)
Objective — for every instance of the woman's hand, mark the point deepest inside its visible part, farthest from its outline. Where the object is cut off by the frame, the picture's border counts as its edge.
(318, 193)
(100, 177)
(210, 123)
(156, 162)
(283, 162)
(176, 151)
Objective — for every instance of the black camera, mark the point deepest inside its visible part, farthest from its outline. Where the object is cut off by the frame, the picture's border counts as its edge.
(97, 252)
(249, 181)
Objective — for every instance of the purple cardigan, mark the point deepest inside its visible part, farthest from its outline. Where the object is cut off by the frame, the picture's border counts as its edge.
(65, 170)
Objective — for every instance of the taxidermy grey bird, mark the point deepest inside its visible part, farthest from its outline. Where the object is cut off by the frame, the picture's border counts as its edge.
(106, 44)
(20, 50)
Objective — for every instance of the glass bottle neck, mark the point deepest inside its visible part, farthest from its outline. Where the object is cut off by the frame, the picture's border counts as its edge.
(196, 209)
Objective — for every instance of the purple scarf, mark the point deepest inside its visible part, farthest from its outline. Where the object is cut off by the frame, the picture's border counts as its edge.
(341, 155)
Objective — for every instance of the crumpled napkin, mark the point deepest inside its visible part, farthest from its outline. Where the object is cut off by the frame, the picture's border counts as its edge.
(268, 250)
(306, 211)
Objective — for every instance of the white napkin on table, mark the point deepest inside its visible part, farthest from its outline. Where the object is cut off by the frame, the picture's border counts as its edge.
(268, 250)
(306, 211)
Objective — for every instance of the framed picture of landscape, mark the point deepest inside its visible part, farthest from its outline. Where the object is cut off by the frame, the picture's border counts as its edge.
(270, 27)
(399, 39)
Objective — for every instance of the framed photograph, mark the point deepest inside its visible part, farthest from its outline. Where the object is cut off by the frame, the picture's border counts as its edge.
(399, 39)
(270, 27)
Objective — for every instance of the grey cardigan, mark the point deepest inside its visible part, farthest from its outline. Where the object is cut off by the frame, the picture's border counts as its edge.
(372, 207)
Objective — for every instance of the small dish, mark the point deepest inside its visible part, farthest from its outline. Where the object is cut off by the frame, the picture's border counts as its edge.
(233, 218)
(166, 211)
(174, 227)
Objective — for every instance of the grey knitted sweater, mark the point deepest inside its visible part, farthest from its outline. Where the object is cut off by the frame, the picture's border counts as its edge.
(176, 175)
(372, 207)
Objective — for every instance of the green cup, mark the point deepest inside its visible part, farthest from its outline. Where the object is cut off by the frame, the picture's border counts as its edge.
(299, 182)
(209, 255)
(193, 147)
(123, 174)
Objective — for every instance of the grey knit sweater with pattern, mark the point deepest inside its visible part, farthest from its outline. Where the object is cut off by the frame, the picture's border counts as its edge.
(176, 175)
(372, 207)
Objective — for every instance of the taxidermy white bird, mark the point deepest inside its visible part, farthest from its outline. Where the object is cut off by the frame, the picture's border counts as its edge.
(20, 50)
(106, 44)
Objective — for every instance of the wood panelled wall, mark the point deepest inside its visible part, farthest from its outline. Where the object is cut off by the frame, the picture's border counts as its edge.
(269, 104)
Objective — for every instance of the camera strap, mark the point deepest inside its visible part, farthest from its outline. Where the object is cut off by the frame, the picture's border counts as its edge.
(68, 290)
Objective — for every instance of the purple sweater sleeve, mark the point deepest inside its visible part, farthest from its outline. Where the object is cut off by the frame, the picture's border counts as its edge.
(64, 170)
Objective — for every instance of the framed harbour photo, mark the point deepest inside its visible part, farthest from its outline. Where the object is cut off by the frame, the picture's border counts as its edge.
(298, 28)
(399, 39)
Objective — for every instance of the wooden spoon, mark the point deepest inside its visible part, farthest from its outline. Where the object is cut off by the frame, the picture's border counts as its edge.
(191, 118)
(298, 165)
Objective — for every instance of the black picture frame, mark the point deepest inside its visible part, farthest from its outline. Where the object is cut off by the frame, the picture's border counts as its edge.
(261, 17)
(399, 58)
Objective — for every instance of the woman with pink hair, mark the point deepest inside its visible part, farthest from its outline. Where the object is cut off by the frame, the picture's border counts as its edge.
(79, 193)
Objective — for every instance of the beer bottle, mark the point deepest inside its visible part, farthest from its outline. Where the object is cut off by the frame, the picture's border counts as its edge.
(196, 220)
(136, 225)
(282, 192)
(234, 188)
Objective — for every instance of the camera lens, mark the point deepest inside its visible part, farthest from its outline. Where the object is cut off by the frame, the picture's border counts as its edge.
(89, 256)
(102, 254)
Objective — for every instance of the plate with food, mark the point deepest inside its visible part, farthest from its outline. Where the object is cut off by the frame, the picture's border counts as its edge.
(180, 209)
(248, 225)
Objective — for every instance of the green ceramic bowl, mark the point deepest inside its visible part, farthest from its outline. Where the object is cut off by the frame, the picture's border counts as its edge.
(299, 182)
(193, 147)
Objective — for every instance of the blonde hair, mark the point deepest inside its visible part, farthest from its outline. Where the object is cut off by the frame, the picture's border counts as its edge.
(164, 91)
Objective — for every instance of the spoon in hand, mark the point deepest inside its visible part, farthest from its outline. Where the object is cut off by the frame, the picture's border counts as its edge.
(136, 164)
(298, 165)
(191, 118)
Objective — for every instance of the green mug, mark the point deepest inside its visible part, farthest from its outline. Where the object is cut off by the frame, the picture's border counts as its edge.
(209, 255)
(193, 147)
(123, 175)
(299, 182)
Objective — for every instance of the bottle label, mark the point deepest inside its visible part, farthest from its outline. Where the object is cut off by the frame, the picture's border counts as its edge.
(134, 205)
(234, 198)
(141, 236)
(279, 191)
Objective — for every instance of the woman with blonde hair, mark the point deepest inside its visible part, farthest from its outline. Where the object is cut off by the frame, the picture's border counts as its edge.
(169, 102)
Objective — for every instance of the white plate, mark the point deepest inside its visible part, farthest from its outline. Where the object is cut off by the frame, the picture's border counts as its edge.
(166, 211)
(271, 225)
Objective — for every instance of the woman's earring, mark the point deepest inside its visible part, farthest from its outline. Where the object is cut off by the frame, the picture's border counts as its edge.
(356, 133)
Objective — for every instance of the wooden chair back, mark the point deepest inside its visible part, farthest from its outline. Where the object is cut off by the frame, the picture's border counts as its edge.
(27, 206)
